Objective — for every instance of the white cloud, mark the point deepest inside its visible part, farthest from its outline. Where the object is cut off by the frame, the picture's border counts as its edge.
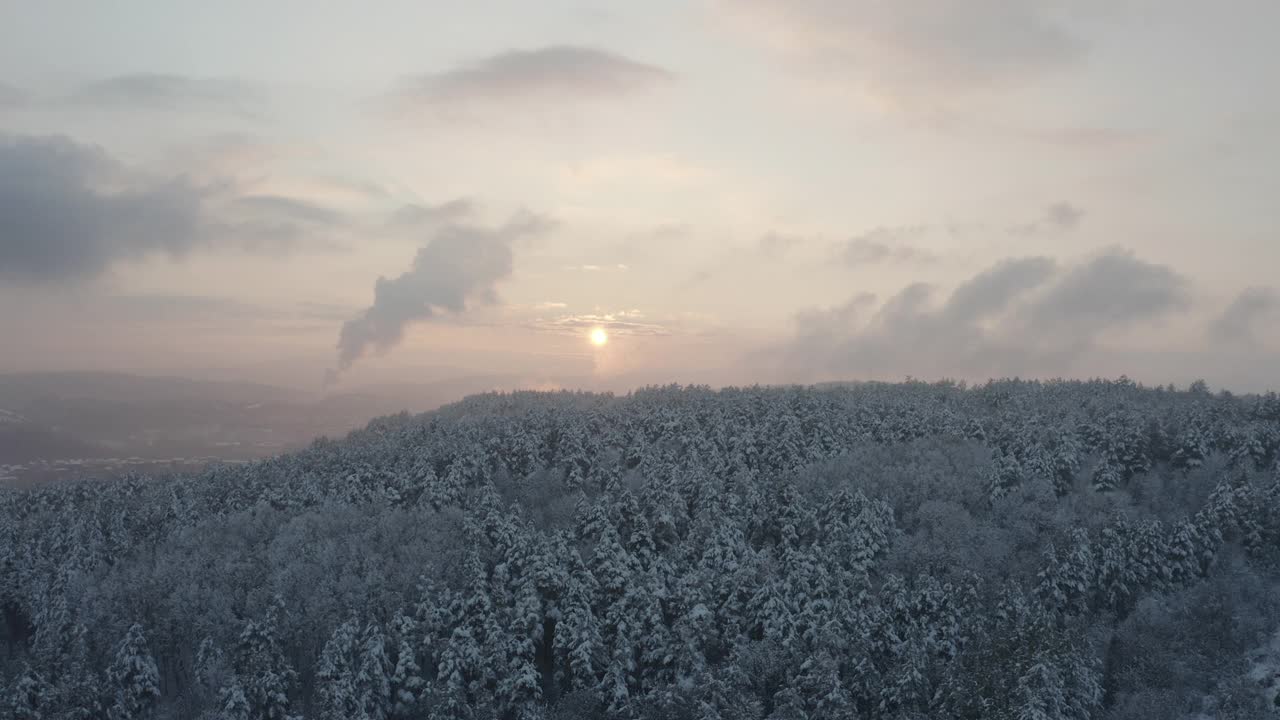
(1021, 316)
(557, 74)
(919, 53)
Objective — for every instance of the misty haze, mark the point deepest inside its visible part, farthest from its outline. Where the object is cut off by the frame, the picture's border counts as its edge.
(709, 360)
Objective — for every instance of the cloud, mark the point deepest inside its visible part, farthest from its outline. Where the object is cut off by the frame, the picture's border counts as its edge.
(526, 223)
(458, 268)
(290, 209)
(651, 245)
(13, 97)
(885, 244)
(557, 73)
(629, 168)
(771, 247)
(1059, 217)
(919, 49)
(991, 291)
(1238, 323)
(823, 323)
(1020, 316)
(154, 91)
(775, 245)
(162, 307)
(416, 216)
(1088, 138)
(1064, 216)
(68, 211)
(698, 277)
(622, 323)
(100, 309)
(271, 223)
(1114, 290)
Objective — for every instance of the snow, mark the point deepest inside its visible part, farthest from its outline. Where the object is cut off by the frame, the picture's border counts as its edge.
(1265, 672)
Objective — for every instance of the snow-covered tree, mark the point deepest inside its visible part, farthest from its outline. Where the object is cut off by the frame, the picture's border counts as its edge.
(30, 696)
(406, 679)
(134, 678)
(373, 676)
(337, 696)
(262, 673)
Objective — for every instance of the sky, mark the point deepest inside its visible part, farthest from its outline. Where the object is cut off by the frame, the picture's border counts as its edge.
(322, 194)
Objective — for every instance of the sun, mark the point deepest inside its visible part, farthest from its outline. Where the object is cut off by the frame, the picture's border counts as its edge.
(599, 337)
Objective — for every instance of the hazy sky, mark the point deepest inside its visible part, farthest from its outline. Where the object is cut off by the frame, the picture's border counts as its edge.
(735, 190)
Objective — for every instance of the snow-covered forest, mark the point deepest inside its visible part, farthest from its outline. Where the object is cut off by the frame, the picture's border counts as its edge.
(1015, 550)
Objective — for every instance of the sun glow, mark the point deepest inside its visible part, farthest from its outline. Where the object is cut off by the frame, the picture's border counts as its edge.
(599, 337)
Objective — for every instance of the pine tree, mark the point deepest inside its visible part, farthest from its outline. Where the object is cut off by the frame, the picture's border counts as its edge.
(335, 680)
(819, 684)
(435, 618)
(457, 683)
(519, 687)
(1182, 553)
(30, 696)
(1117, 574)
(615, 686)
(612, 567)
(1039, 693)
(134, 678)
(1005, 474)
(209, 665)
(1108, 474)
(235, 705)
(262, 674)
(771, 617)
(578, 643)
(406, 679)
(1065, 582)
(480, 648)
(659, 647)
(695, 632)
(373, 680)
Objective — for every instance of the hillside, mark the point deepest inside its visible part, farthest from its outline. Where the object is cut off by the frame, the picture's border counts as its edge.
(1013, 550)
(99, 420)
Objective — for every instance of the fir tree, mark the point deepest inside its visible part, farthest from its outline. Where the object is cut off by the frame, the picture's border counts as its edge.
(235, 704)
(373, 679)
(263, 675)
(406, 679)
(30, 697)
(134, 678)
(578, 642)
(335, 680)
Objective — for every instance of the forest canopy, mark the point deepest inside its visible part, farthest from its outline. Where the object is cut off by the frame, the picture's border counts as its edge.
(1013, 550)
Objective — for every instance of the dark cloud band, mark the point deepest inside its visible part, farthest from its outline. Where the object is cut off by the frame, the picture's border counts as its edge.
(67, 212)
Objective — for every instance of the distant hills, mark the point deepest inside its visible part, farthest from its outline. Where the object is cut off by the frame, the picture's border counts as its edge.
(24, 442)
(59, 424)
(46, 417)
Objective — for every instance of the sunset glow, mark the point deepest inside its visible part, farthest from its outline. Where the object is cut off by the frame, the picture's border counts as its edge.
(605, 359)
(780, 191)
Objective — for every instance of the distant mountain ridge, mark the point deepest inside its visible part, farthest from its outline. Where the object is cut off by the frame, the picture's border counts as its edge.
(22, 442)
(85, 415)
